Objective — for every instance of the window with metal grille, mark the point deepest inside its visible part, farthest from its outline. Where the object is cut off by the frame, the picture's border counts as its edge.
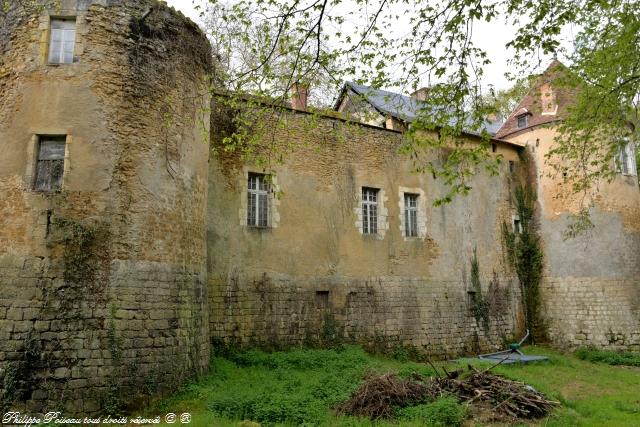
(258, 201)
(50, 167)
(369, 210)
(62, 42)
(411, 215)
(523, 120)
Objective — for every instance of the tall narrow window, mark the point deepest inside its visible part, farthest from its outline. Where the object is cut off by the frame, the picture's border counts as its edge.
(63, 40)
(369, 210)
(627, 159)
(50, 167)
(258, 201)
(411, 215)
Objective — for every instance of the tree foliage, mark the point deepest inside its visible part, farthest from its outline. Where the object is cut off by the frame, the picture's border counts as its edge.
(405, 44)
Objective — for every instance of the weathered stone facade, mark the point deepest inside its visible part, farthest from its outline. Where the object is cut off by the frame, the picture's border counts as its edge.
(114, 284)
(591, 289)
(316, 273)
(102, 283)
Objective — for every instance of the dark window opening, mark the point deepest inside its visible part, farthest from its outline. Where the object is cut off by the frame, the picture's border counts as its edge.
(50, 166)
(517, 226)
(512, 166)
(523, 120)
(494, 147)
(322, 299)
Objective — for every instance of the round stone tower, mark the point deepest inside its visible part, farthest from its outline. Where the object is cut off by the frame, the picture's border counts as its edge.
(103, 188)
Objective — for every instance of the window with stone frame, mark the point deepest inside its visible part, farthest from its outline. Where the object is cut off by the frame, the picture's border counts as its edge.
(257, 200)
(627, 159)
(62, 41)
(370, 210)
(50, 163)
(410, 215)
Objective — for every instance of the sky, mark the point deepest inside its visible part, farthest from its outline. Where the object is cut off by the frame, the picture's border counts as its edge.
(491, 37)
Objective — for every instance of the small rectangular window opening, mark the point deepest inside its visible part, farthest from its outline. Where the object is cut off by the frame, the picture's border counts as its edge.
(322, 299)
(494, 147)
(62, 41)
(50, 163)
(369, 210)
(523, 120)
(257, 200)
(517, 225)
(411, 215)
(512, 166)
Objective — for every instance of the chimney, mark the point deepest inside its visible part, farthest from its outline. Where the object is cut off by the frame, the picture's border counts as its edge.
(421, 94)
(299, 96)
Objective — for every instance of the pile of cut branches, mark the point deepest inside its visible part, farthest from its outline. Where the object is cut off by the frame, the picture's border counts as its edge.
(506, 397)
(380, 395)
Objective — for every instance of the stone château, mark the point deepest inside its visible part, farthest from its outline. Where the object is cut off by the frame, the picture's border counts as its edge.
(129, 244)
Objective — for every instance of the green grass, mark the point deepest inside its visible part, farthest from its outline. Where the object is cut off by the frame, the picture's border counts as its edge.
(591, 394)
(608, 357)
(299, 388)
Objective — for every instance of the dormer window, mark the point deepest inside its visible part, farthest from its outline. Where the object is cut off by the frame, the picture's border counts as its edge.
(523, 120)
(63, 41)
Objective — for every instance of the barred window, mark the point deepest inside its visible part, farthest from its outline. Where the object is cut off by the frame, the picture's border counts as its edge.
(369, 210)
(258, 201)
(62, 42)
(50, 167)
(411, 215)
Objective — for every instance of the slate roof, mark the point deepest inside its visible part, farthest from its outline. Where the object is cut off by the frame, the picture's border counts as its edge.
(400, 106)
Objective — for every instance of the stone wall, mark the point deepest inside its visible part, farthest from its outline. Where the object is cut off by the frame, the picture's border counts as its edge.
(313, 274)
(102, 283)
(591, 288)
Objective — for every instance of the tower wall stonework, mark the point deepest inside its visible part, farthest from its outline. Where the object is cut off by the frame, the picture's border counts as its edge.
(591, 286)
(103, 283)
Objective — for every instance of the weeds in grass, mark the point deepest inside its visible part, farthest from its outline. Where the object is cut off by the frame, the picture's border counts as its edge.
(444, 412)
(609, 357)
(298, 387)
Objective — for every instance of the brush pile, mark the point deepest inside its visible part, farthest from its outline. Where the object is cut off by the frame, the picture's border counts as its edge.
(506, 397)
(380, 395)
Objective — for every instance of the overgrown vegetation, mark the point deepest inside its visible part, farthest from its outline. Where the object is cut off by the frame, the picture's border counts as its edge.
(20, 375)
(268, 47)
(525, 254)
(86, 259)
(299, 387)
(445, 411)
(480, 305)
(609, 357)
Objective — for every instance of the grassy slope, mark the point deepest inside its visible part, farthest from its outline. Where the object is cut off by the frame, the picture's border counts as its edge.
(592, 394)
(302, 385)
